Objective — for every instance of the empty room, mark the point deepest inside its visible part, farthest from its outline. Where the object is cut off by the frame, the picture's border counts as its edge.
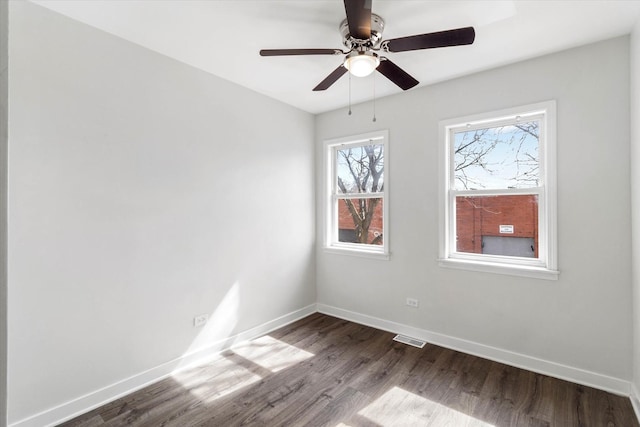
(334, 213)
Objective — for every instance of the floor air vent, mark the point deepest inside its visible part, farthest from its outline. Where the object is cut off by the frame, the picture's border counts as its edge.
(410, 341)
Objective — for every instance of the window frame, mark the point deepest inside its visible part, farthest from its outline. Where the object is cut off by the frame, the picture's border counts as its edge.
(543, 267)
(331, 196)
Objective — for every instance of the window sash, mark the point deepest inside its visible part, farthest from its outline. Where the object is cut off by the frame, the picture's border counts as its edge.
(540, 261)
(358, 195)
(334, 162)
(539, 117)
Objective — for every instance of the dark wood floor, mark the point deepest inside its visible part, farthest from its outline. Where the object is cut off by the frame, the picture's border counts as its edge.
(323, 371)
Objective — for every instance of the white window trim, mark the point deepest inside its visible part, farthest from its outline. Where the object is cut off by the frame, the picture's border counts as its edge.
(546, 266)
(330, 244)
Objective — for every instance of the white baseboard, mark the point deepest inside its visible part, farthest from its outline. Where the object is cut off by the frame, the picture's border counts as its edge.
(635, 400)
(552, 369)
(97, 398)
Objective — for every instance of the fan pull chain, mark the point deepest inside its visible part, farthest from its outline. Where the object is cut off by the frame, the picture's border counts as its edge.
(374, 96)
(349, 93)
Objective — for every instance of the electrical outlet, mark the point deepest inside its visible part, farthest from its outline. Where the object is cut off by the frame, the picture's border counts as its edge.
(412, 302)
(200, 320)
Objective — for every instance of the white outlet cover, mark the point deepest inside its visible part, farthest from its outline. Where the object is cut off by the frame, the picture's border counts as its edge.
(412, 302)
(200, 320)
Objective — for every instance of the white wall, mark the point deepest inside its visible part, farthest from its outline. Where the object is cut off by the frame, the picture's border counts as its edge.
(142, 192)
(635, 200)
(4, 111)
(581, 321)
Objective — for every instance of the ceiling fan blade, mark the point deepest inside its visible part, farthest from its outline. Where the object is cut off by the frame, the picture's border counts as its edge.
(359, 18)
(396, 74)
(331, 78)
(457, 37)
(287, 52)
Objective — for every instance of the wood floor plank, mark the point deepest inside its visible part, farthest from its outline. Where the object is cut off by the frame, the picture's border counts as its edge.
(498, 395)
(348, 402)
(330, 386)
(324, 371)
(94, 421)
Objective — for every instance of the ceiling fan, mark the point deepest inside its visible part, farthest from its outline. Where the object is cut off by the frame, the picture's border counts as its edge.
(361, 33)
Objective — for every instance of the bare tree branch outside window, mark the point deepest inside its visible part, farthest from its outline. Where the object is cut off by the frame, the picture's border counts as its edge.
(497, 157)
(360, 170)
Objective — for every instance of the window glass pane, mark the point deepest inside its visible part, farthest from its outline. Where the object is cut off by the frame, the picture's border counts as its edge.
(360, 169)
(497, 225)
(360, 221)
(497, 157)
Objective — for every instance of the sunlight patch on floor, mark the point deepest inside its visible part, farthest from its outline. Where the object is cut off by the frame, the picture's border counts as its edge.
(398, 407)
(216, 380)
(271, 353)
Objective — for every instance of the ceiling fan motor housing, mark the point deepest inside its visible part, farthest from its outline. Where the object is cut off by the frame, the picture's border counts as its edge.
(377, 27)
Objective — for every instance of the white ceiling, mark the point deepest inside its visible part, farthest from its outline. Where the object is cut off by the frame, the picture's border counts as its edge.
(224, 37)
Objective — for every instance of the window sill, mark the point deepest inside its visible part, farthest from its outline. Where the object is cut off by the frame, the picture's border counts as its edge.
(508, 269)
(356, 252)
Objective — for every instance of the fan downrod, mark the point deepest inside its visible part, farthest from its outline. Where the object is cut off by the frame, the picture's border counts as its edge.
(350, 42)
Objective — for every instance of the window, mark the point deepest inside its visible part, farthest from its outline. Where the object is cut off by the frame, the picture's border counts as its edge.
(498, 203)
(356, 195)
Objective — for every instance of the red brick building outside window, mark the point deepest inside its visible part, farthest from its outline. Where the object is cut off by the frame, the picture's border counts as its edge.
(481, 218)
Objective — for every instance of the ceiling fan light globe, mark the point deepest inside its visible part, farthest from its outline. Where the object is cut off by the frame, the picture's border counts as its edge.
(361, 65)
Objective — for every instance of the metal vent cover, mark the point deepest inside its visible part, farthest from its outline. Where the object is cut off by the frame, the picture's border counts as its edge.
(409, 341)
